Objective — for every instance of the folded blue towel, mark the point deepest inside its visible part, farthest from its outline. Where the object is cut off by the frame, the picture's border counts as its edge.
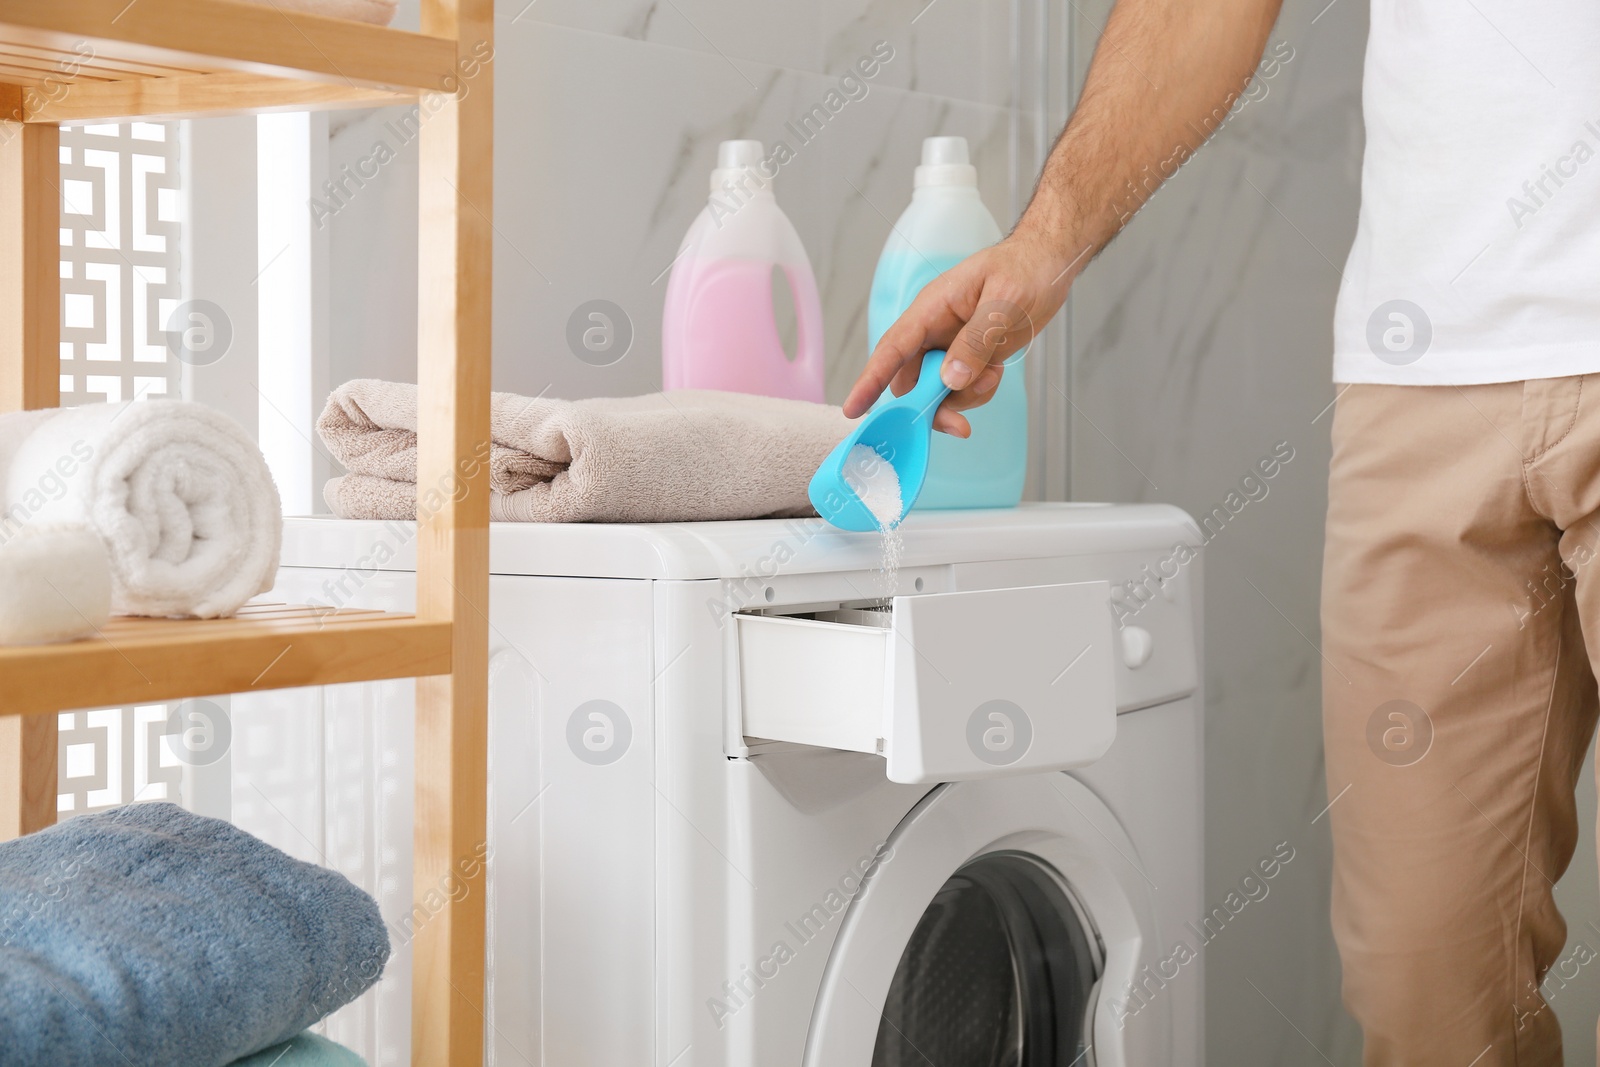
(151, 937)
(307, 1050)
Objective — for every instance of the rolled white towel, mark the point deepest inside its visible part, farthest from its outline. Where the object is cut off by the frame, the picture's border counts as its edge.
(55, 585)
(179, 493)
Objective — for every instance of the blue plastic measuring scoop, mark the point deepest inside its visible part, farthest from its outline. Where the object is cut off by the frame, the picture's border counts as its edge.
(899, 429)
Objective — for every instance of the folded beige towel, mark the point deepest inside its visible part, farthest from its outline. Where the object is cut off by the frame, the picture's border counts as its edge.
(664, 457)
(379, 12)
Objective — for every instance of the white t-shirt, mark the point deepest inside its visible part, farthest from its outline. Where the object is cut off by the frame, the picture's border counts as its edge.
(1477, 256)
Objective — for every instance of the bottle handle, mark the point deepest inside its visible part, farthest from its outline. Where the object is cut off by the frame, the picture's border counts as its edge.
(810, 356)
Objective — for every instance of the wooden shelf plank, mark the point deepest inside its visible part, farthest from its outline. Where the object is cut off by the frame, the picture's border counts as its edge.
(196, 96)
(150, 660)
(207, 36)
(48, 61)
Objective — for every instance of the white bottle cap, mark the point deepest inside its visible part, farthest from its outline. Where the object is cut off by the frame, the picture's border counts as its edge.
(738, 154)
(945, 161)
(740, 162)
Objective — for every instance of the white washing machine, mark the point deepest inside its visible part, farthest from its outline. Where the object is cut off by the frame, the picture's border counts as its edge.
(747, 811)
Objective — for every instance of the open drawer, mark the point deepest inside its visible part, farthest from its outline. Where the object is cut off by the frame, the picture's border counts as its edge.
(945, 686)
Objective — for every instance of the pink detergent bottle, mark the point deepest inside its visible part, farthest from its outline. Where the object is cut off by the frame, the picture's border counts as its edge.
(720, 329)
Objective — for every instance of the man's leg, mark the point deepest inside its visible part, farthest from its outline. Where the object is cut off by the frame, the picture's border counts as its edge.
(1565, 483)
(1458, 702)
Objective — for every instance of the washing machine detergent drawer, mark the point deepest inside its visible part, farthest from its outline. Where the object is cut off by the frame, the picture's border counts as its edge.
(945, 686)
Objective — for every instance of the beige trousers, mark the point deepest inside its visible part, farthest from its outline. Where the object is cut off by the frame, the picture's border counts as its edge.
(1461, 633)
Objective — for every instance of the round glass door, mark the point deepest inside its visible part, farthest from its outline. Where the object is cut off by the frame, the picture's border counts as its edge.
(1000, 972)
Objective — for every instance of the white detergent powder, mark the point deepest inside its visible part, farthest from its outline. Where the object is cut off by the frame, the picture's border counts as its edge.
(876, 482)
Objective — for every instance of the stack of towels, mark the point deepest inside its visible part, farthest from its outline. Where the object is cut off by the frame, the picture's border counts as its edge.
(150, 935)
(161, 508)
(666, 457)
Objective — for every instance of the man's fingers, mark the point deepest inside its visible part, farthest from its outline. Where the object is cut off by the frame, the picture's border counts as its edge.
(947, 420)
(980, 392)
(901, 344)
(930, 322)
(997, 329)
(881, 368)
(967, 356)
(905, 379)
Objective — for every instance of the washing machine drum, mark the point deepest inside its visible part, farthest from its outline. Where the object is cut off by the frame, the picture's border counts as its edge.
(1000, 972)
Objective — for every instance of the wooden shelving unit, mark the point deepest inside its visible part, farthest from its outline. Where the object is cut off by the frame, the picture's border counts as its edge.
(78, 61)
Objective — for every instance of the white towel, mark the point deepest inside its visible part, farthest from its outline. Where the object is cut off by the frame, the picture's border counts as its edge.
(55, 585)
(179, 493)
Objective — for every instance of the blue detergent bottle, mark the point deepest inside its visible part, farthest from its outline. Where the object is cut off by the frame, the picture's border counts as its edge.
(946, 222)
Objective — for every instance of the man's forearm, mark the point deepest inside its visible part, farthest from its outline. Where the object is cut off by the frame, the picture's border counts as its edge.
(1162, 79)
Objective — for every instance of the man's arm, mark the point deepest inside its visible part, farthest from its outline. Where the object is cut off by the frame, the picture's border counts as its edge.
(1163, 76)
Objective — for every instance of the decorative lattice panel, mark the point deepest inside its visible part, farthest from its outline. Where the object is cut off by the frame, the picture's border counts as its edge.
(114, 756)
(119, 261)
(119, 281)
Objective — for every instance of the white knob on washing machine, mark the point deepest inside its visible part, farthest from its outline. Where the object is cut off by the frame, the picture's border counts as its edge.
(1137, 644)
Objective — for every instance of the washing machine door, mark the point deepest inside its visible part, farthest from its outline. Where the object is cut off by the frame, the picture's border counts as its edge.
(1004, 926)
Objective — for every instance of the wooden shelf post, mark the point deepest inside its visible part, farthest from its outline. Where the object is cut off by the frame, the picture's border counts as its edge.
(30, 266)
(455, 249)
(30, 377)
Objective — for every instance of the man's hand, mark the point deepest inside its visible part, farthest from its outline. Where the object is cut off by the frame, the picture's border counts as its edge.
(982, 311)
